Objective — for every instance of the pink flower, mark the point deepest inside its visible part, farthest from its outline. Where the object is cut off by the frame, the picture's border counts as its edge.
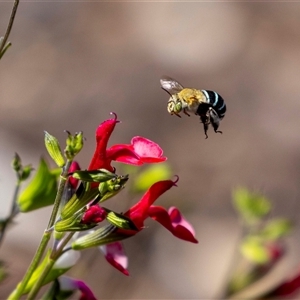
(114, 253)
(140, 151)
(71, 285)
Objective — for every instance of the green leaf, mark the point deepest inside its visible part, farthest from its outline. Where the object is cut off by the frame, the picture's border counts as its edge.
(151, 175)
(41, 190)
(255, 251)
(276, 229)
(251, 206)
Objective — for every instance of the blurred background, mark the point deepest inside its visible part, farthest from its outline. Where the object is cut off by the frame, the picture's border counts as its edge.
(73, 63)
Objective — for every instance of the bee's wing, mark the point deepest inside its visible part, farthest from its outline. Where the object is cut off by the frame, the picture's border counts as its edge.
(170, 85)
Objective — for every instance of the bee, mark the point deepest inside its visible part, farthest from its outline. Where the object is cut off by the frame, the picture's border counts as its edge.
(209, 105)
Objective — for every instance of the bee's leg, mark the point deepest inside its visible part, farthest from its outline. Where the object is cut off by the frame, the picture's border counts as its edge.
(205, 120)
(215, 120)
(178, 115)
(185, 112)
(205, 130)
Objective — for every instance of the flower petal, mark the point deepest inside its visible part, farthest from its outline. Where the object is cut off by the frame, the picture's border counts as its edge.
(103, 133)
(139, 152)
(123, 153)
(174, 222)
(70, 284)
(139, 212)
(115, 255)
(287, 288)
(73, 181)
(149, 151)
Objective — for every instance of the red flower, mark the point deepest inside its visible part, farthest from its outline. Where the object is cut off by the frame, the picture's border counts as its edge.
(140, 151)
(288, 288)
(93, 215)
(139, 212)
(73, 181)
(172, 220)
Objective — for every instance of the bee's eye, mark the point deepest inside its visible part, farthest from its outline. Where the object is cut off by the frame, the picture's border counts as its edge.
(178, 107)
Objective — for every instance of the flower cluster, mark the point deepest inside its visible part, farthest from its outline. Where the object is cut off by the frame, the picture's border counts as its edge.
(79, 207)
(140, 151)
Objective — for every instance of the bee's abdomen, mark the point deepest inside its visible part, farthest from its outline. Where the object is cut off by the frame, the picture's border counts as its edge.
(216, 101)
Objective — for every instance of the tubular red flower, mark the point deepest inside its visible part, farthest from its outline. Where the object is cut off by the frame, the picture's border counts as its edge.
(139, 212)
(174, 222)
(140, 151)
(103, 133)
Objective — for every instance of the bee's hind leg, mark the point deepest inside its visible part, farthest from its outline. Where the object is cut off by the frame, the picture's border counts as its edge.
(205, 121)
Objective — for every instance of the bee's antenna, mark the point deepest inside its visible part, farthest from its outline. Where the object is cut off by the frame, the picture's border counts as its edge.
(167, 91)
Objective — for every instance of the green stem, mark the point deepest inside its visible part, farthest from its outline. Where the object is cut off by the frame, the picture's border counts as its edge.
(61, 186)
(46, 236)
(9, 27)
(35, 261)
(52, 259)
(13, 211)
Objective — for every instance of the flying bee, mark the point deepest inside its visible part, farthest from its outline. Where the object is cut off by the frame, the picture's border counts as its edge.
(209, 105)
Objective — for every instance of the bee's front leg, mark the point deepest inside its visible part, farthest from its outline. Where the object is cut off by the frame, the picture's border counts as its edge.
(184, 111)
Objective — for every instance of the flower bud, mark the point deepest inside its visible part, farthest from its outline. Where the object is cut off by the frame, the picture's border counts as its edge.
(26, 172)
(94, 175)
(112, 187)
(16, 163)
(73, 223)
(53, 148)
(74, 167)
(80, 198)
(93, 215)
(101, 236)
(74, 144)
(120, 221)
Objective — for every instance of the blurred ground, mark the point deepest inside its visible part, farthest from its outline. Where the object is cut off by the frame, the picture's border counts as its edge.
(74, 62)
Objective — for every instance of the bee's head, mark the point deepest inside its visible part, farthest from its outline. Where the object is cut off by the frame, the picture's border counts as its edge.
(174, 106)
